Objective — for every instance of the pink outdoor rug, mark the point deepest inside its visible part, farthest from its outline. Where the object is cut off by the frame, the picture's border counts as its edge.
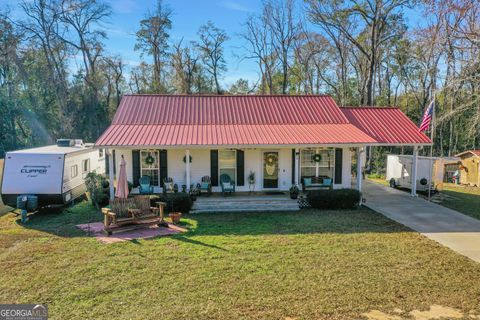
(96, 230)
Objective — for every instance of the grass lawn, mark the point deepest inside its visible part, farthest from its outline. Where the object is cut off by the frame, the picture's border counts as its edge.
(462, 199)
(304, 265)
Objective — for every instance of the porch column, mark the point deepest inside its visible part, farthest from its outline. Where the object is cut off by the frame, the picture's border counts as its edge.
(110, 172)
(187, 168)
(297, 166)
(414, 171)
(359, 168)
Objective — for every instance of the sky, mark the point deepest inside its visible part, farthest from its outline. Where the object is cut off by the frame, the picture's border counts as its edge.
(188, 16)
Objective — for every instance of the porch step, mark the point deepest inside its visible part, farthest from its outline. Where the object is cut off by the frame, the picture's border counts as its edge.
(244, 204)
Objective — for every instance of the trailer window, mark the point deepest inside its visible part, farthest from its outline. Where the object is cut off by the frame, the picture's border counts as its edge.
(85, 165)
(101, 153)
(73, 171)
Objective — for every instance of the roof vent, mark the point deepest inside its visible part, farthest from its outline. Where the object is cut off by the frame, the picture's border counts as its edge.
(65, 142)
(78, 142)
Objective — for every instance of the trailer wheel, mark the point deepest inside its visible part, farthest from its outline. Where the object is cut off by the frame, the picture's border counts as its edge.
(392, 183)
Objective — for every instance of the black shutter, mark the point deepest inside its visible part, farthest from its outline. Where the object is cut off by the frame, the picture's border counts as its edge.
(338, 165)
(240, 168)
(293, 166)
(214, 167)
(136, 167)
(163, 166)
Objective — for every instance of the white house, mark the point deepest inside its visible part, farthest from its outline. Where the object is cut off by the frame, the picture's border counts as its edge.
(282, 139)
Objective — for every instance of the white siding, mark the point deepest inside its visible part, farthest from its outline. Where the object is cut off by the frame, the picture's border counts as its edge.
(200, 167)
(96, 164)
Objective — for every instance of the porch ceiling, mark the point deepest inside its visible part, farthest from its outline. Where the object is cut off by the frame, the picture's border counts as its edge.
(232, 135)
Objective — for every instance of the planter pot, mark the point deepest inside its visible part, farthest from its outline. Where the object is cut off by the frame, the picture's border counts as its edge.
(175, 216)
(293, 195)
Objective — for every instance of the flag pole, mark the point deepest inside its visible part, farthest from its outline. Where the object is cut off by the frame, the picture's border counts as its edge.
(432, 130)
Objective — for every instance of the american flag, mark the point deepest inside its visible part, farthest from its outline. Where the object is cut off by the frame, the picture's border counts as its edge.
(427, 117)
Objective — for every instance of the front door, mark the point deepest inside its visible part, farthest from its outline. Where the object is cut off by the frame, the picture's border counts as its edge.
(270, 170)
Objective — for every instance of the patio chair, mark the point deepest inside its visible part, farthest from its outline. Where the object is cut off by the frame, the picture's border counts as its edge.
(169, 186)
(145, 187)
(206, 185)
(227, 184)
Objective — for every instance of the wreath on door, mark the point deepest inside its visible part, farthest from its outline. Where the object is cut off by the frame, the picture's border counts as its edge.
(271, 165)
(149, 160)
(317, 157)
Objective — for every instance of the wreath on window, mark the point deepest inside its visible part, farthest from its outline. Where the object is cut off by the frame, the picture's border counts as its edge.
(185, 159)
(149, 160)
(317, 157)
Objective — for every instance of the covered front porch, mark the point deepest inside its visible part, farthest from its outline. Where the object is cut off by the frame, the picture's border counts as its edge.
(250, 169)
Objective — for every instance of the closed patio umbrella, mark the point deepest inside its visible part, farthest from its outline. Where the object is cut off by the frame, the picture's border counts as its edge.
(122, 183)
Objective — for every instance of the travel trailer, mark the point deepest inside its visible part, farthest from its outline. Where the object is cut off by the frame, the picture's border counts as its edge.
(55, 174)
(399, 171)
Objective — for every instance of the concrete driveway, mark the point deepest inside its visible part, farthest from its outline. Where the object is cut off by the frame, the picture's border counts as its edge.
(448, 227)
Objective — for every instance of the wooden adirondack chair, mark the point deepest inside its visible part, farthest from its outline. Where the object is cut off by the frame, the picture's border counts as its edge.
(169, 186)
(206, 185)
(131, 213)
(228, 186)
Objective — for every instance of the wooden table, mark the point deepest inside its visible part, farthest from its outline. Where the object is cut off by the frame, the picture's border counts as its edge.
(161, 207)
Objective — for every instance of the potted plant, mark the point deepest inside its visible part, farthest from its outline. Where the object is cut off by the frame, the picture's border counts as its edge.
(193, 192)
(251, 177)
(294, 191)
(251, 181)
(174, 216)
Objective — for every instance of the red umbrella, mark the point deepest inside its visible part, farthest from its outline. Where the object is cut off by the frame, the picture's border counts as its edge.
(122, 183)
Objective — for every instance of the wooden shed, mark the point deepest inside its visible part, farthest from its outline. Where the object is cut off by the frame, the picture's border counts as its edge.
(470, 168)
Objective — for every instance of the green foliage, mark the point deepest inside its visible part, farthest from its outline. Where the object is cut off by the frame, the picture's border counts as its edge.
(98, 189)
(176, 202)
(334, 199)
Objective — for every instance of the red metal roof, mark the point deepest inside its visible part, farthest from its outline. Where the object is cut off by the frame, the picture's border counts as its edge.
(387, 125)
(231, 135)
(251, 109)
(182, 120)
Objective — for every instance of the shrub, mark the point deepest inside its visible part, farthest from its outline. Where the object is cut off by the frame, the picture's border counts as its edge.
(334, 199)
(176, 202)
(98, 188)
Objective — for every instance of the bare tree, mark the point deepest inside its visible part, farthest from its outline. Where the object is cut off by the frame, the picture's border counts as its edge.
(210, 46)
(376, 22)
(284, 28)
(259, 48)
(152, 39)
(184, 60)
